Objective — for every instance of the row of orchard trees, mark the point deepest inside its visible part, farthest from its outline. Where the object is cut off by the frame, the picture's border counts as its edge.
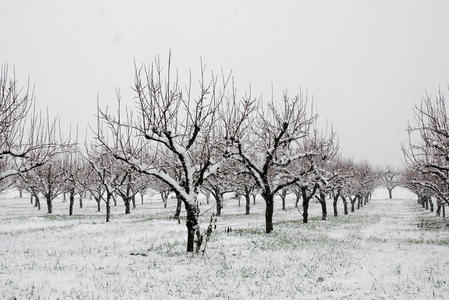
(205, 136)
(427, 153)
(186, 139)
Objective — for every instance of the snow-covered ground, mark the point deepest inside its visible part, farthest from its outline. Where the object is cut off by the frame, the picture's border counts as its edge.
(376, 252)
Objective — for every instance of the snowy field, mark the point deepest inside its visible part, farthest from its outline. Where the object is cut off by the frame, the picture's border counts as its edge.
(377, 252)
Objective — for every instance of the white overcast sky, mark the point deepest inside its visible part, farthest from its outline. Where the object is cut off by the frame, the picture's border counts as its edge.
(365, 62)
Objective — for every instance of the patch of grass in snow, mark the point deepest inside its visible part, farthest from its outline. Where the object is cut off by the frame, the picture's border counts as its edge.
(439, 242)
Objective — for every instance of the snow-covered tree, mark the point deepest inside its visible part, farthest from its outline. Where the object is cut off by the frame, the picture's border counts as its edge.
(182, 122)
(267, 141)
(390, 179)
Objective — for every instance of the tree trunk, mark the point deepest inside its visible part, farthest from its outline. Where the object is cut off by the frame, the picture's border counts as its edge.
(192, 225)
(108, 207)
(207, 197)
(81, 201)
(426, 202)
(141, 198)
(115, 200)
(178, 207)
(334, 204)
(247, 203)
(71, 201)
(345, 205)
(164, 196)
(438, 210)
(322, 199)
(431, 204)
(127, 206)
(49, 205)
(298, 197)
(133, 200)
(64, 197)
(254, 198)
(37, 202)
(444, 211)
(98, 204)
(268, 212)
(283, 196)
(353, 204)
(31, 198)
(305, 209)
(219, 202)
(390, 193)
(20, 193)
(238, 198)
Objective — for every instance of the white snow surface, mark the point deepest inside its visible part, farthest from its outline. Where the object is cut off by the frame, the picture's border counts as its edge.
(377, 252)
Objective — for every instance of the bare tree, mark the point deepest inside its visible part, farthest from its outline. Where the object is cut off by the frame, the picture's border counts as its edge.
(25, 139)
(183, 123)
(267, 142)
(390, 179)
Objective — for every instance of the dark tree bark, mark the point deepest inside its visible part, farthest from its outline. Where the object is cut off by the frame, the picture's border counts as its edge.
(390, 193)
(49, 204)
(438, 212)
(283, 195)
(71, 202)
(20, 193)
(178, 207)
(219, 201)
(98, 203)
(81, 201)
(353, 203)
(31, 198)
(345, 205)
(192, 224)
(133, 200)
(305, 208)
(108, 206)
(164, 196)
(247, 202)
(298, 197)
(268, 212)
(127, 206)
(334, 203)
(431, 203)
(254, 195)
(141, 198)
(322, 200)
(305, 202)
